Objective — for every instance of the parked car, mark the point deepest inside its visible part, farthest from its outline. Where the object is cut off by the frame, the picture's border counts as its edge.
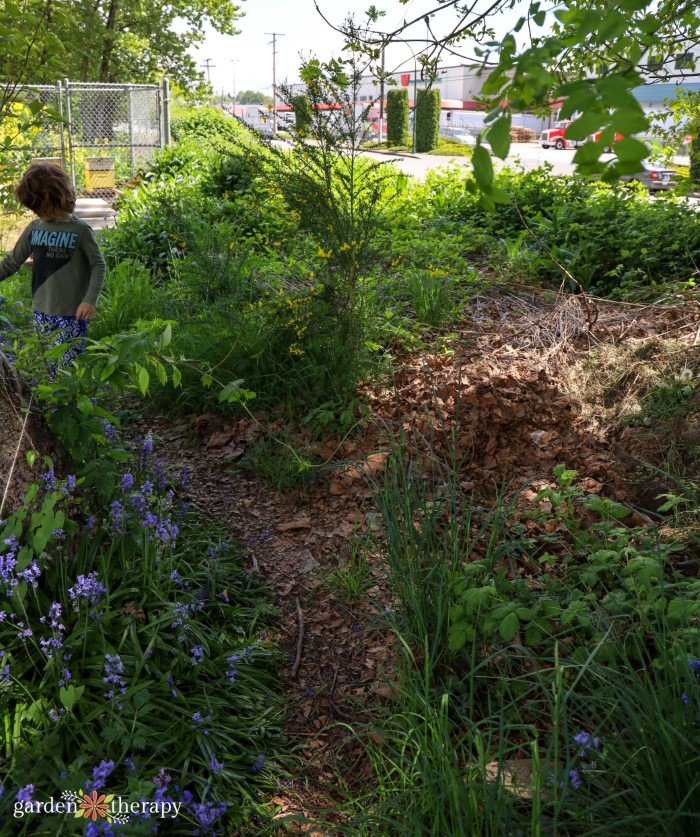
(653, 177)
(556, 136)
(608, 148)
(463, 136)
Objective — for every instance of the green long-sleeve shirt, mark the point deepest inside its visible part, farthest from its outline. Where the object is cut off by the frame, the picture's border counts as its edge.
(67, 265)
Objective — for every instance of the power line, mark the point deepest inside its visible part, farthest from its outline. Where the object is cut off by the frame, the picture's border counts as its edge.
(275, 35)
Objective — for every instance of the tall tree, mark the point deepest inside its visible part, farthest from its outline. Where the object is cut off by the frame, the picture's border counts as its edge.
(131, 40)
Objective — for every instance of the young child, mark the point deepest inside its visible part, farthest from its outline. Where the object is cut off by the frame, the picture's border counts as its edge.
(68, 270)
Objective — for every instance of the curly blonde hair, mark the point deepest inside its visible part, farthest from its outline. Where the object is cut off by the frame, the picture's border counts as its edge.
(47, 190)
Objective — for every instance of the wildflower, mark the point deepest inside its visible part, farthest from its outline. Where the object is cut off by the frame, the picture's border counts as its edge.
(257, 766)
(58, 534)
(162, 780)
(169, 681)
(214, 765)
(182, 615)
(583, 739)
(196, 654)
(90, 522)
(25, 794)
(100, 774)
(184, 477)
(129, 763)
(232, 672)
(110, 431)
(176, 577)
(88, 588)
(116, 513)
(65, 677)
(69, 485)
(127, 482)
(146, 449)
(685, 375)
(575, 779)
(113, 670)
(208, 812)
(49, 478)
(5, 673)
(31, 574)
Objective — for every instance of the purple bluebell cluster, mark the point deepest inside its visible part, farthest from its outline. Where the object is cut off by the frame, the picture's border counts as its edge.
(113, 670)
(207, 813)
(246, 655)
(9, 575)
(55, 642)
(25, 794)
(196, 654)
(8, 562)
(100, 774)
(214, 765)
(87, 589)
(110, 431)
(5, 676)
(258, 764)
(586, 742)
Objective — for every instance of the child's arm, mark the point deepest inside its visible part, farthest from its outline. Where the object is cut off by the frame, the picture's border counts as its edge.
(98, 271)
(19, 255)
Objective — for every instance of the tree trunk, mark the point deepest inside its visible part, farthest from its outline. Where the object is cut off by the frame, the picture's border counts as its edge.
(22, 429)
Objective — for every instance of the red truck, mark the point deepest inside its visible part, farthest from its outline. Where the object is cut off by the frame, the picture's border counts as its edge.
(609, 148)
(556, 136)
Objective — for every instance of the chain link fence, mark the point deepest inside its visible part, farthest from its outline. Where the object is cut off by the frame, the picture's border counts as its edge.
(108, 131)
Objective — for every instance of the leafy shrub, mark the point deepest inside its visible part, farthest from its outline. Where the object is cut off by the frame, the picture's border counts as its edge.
(397, 112)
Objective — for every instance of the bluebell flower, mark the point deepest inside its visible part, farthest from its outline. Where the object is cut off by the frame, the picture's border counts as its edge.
(196, 654)
(214, 765)
(86, 588)
(100, 774)
(25, 794)
(113, 670)
(258, 765)
(127, 482)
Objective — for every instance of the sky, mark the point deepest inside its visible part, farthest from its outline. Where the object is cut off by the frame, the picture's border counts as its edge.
(246, 59)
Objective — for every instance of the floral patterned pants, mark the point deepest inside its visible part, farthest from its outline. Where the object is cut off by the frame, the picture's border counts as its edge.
(55, 331)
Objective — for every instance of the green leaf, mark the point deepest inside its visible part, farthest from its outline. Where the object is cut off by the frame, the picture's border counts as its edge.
(177, 377)
(143, 380)
(483, 168)
(70, 696)
(498, 136)
(509, 626)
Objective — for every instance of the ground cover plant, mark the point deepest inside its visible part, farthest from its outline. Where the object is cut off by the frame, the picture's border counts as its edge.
(133, 654)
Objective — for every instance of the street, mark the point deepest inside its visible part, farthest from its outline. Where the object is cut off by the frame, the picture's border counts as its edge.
(529, 155)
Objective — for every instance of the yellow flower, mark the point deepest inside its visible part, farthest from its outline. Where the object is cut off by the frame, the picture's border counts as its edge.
(323, 254)
(344, 247)
(311, 274)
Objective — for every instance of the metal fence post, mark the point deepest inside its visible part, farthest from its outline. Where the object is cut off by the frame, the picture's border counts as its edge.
(59, 108)
(131, 125)
(70, 132)
(165, 136)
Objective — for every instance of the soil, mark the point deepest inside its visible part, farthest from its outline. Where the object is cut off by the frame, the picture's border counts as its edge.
(528, 380)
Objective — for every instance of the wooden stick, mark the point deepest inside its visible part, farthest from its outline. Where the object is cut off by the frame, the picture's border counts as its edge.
(300, 641)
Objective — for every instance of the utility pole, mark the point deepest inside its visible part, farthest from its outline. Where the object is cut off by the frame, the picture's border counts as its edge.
(207, 63)
(381, 102)
(275, 35)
